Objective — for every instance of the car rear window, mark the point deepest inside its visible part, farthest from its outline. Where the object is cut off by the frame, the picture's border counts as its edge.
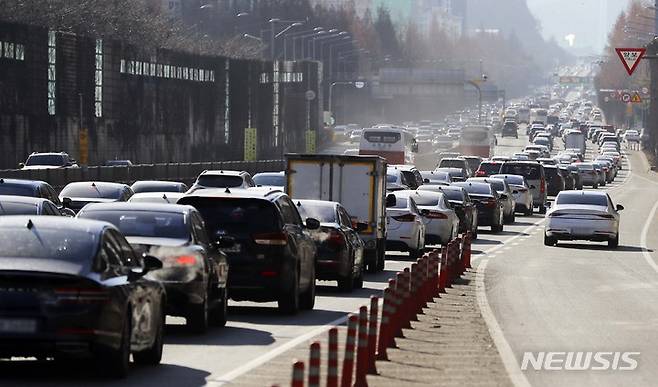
(426, 200)
(144, 223)
(155, 187)
(530, 171)
(52, 160)
(452, 163)
(453, 195)
(17, 190)
(236, 216)
(585, 167)
(490, 168)
(382, 137)
(581, 198)
(91, 190)
(518, 180)
(322, 212)
(219, 181)
(17, 209)
(476, 188)
(47, 243)
(274, 180)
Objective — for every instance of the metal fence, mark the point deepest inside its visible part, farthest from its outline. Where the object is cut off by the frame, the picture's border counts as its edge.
(100, 100)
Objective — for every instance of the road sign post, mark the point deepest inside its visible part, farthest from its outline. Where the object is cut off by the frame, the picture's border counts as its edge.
(630, 57)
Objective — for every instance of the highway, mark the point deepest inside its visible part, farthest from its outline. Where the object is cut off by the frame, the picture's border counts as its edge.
(542, 298)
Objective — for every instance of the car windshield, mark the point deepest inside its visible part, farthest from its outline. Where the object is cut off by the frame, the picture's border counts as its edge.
(497, 185)
(530, 171)
(452, 163)
(219, 181)
(9, 208)
(51, 160)
(391, 178)
(490, 168)
(582, 198)
(144, 223)
(517, 180)
(47, 243)
(426, 200)
(453, 195)
(435, 176)
(155, 187)
(476, 188)
(17, 190)
(325, 213)
(273, 180)
(92, 190)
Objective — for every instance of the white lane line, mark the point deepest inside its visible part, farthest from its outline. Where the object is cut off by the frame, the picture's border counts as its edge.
(504, 350)
(643, 239)
(226, 378)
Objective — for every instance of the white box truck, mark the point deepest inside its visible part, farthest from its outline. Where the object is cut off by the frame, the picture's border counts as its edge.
(575, 139)
(356, 182)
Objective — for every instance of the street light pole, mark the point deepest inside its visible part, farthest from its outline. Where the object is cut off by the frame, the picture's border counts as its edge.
(477, 87)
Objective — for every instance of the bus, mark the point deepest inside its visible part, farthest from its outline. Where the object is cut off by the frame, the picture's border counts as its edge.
(395, 144)
(477, 140)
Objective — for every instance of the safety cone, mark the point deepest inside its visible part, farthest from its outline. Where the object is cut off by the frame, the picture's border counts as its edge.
(348, 358)
(362, 349)
(372, 335)
(332, 359)
(314, 366)
(297, 374)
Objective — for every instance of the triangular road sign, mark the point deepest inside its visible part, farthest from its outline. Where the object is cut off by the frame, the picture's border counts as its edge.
(636, 98)
(630, 57)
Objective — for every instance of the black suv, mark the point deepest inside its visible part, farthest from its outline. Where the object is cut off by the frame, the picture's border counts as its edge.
(270, 250)
(510, 129)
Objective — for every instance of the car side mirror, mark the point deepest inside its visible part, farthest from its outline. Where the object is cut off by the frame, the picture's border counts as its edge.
(151, 263)
(414, 148)
(66, 202)
(619, 207)
(390, 201)
(548, 204)
(21, 165)
(312, 224)
(426, 181)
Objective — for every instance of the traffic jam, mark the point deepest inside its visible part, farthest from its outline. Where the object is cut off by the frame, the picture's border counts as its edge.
(93, 271)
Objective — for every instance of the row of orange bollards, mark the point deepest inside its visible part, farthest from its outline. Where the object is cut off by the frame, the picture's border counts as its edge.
(404, 298)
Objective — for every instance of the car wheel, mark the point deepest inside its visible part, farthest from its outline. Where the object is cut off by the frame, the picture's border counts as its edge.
(289, 302)
(115, 363)
(542, 209)
(381, 259)
(219, 314)
(614, 243)
(358, 281)
(373, 264)
(529, 211)
(595, 186)
(153, 355)
(197, 318)
(346, 284)
(549, 241)
(307, 298)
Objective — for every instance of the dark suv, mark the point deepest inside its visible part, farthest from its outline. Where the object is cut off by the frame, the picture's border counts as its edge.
(536, 177)
(270, 250)
(510, 129)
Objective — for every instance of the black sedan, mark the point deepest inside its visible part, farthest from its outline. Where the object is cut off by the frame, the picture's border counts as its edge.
(25, 205)
(33, 189)
(72, 287)
(79, 194)
(459, 200)
(339, 246)
(194, 273)
(158, 186)
(489, 205)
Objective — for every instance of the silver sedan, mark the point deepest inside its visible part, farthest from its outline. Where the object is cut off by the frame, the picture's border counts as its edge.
(520, 190)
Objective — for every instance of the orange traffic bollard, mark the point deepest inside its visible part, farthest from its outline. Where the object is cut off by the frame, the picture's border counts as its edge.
(332, 359)
(314, 366)
(385, 329)
(348, 358)
(372, 335)
(297, 374)
(362, 349)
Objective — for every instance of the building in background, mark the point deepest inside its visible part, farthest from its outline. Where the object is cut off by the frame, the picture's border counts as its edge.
(449, 15)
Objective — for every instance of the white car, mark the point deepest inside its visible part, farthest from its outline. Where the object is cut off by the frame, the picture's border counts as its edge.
(631, 135)
(583, 215)
(441, 221)
(405, 230)
(223, 179)
(520, 190)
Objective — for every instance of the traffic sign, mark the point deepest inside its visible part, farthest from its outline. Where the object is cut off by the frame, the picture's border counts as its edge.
(626, 97)
(630, 57)
(250, 144)
(636, 98)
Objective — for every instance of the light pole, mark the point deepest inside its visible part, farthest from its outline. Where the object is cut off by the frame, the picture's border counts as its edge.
(476, 84)
(321, 35)
(273, 35)
(357, 84)
(303, 44)
(294, 36)
(331, 53)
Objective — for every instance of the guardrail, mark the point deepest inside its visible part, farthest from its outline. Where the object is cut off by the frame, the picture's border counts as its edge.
(184, 172)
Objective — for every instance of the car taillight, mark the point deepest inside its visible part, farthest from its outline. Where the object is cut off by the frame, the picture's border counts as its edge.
(435, 215)
(271, 239)
(336, 238)
(405, 218)
(480, 173)
(186, 260)
(82, 295)
(542, 185)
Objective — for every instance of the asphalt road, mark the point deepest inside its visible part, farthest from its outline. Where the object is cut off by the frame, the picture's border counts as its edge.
(575, 297)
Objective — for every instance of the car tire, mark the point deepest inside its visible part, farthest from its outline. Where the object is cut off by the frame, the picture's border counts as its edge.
(307, 298)
(542, 209)
(197, 318)
(219, 314)
(346, 284)
(529, 211)
(595, 186)
(549, 241)
(381, 258)
(153, 355)
(289, 302)
(373, 266)
(614, 242)
(116, 363)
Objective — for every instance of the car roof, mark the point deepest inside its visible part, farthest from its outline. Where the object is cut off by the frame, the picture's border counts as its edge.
(58, 222)
(157, 183)
(227, 193)
(318, 203)
(170, 195)
(22, 199)
(280, 173)
(137, 207)
(101, 184)
(582, 193)
(402, 167)
(49, 153)
(31, 183)
(225, 172)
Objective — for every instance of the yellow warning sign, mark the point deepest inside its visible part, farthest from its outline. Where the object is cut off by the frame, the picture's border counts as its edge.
(636, 98)
(310, 141)
(250, 144)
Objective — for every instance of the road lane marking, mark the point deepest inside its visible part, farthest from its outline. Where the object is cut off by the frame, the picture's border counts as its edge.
(504, 349)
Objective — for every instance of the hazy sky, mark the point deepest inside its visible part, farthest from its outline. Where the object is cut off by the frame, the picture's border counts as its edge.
(589, 20)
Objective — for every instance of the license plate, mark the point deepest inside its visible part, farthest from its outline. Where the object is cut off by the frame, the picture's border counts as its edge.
(236, 248)
(17, 325)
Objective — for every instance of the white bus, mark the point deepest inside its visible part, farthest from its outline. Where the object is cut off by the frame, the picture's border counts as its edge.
(395, 144)
(477, 140)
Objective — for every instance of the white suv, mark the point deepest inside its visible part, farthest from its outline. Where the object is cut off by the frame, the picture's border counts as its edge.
(223, 179)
